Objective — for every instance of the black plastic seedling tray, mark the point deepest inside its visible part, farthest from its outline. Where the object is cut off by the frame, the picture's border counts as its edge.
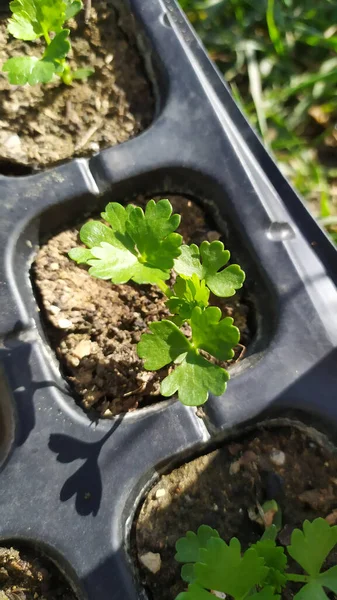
(70, 486)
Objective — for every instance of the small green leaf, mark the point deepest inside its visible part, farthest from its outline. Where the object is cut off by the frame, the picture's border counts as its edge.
(82, 73)
(152, 233)
(59, 46)
(311, 591)
(276, 561)
(94, 232)
(188, 547)
(188, 262)
(270, 533)
(28, 69)
(162, 346)
(187, 573)
(223, 569)
(188, 550)
(111, 262)
(189, 292)
(33, 18)
(193, 379)
(195, 592)
(42, 72)
(311, 546)
(19, 69)
(212, 335)
(72, 8)
(80, 255)
(128, 258)
(213, 256)
(329, 579)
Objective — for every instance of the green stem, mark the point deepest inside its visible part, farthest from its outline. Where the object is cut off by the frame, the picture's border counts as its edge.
(298, 578)
(46, 36)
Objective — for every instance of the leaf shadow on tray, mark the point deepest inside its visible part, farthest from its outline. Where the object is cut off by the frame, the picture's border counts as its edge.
(86, 482)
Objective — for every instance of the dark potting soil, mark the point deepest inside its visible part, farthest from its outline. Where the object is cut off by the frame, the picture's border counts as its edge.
(223, 488)
(25, 575)
(94, 326)
(43, 125)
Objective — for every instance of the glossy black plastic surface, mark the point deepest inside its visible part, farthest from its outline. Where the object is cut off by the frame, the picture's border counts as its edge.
(73, 485)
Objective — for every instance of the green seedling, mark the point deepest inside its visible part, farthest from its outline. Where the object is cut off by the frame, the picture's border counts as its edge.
(261, 572)
(144, 247)
(35, 19)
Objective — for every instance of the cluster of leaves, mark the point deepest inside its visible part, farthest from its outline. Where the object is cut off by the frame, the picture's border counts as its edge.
(34, 19)
(145, 248)
(260, 573)
(279, 57)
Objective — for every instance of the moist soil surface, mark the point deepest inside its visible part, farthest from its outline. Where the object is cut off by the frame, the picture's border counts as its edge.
(94, 326)
(43, 125)
(24, 575)
(223, 488)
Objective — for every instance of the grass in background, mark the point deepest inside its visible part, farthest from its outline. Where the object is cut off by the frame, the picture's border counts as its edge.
(280, 59)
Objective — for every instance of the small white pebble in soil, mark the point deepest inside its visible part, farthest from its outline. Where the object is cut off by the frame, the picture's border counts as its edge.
(54, 266)
(82, 349)
(108, 59)
(13, 142)
(152, 561)
(235, 467)
(94, 146)
(54, 309)
(64, 323)
(160, 493)
(277, 457)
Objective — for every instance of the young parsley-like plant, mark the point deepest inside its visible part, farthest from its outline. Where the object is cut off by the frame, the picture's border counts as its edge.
(145, 248)
(260, 573)
(34, 19)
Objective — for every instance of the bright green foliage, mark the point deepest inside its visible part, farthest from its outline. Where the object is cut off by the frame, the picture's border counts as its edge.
(276, 561)
(33, 19)
(310, 548)
(206, 262)
(188, 292)
(188, 550)
(136, 246)
(194, 377)
(222, 568)
(260, 573)
(144, 247)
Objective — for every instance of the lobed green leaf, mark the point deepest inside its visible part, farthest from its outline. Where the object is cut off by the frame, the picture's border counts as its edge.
(72, 8)
(59, 47)
(33, 18)
(222, 568)
(188, 547)
(215, 336)
(28, 69)
(189, 292)
(206, 262)
(120, 253)
(194, 378)
(311, 546)
(162, 346)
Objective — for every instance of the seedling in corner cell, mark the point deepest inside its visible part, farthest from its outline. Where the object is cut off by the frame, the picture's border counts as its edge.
(261, 572)
(34, 19)
(145, 248)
